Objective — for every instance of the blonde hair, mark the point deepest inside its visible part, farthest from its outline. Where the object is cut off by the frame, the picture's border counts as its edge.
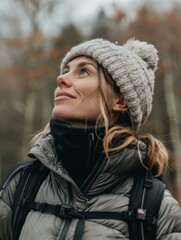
(157, 156)
(40, 134)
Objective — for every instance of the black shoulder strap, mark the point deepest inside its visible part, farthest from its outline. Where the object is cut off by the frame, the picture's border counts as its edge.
(146, 196)
(15, 170)
(27, 189)
(142, 214)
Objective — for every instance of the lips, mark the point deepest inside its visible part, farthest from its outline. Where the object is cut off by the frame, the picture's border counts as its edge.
(63, 95)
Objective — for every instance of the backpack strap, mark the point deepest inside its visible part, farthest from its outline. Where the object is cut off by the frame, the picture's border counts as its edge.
(145, 200)
(27, 189)
(65, 211)
(68, 212)
(15, 170)
(146, 196)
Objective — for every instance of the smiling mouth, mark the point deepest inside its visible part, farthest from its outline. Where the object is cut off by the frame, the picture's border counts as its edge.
(63, 96)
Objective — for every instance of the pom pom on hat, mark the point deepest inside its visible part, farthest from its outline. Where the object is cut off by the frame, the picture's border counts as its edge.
(131, 66)
(145, 51)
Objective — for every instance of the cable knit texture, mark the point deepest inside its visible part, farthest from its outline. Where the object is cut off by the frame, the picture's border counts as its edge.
(132, 66)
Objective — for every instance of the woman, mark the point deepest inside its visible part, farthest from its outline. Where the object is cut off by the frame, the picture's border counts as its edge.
(92, 145)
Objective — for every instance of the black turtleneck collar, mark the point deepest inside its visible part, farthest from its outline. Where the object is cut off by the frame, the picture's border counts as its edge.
(79, 149)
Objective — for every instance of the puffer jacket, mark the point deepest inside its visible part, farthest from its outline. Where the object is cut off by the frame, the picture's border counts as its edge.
(110, 191)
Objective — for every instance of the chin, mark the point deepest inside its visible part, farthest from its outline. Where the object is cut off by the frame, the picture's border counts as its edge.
(60, 115)
(55, 114)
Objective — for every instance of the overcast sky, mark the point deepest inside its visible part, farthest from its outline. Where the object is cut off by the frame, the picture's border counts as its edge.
(85, 8)
(80, 12)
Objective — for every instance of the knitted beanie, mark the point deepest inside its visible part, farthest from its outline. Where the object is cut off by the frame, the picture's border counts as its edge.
(132, 66)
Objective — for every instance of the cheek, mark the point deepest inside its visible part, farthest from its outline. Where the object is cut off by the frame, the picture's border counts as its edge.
(90, 91)
(92, 103)
(91, 98)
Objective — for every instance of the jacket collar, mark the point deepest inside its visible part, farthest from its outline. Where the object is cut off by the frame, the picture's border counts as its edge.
(111, 173)
(79, 149)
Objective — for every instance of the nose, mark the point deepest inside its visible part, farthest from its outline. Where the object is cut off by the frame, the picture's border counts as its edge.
(63, 81)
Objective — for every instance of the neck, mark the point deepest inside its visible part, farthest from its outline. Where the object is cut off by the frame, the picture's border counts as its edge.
(78, 123)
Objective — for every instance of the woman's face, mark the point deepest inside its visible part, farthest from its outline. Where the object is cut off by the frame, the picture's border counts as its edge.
(76, 98)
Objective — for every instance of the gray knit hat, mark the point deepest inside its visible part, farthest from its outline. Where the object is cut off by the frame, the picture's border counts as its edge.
(132, 66)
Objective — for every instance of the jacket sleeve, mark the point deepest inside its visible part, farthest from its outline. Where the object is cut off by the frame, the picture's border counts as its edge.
(169, 220)
(5, 221)
(6, 201)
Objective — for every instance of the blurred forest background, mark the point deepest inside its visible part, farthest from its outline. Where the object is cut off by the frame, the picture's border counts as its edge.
(29, 65)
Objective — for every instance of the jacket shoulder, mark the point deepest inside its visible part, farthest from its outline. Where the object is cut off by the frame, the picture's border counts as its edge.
(8, 188)
(169, 221)
(7, 192)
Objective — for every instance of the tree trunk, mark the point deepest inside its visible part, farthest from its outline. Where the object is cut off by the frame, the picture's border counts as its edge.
(173, 116)
(29, 112)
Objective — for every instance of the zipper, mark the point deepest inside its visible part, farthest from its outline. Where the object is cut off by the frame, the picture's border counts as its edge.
(97, 168)
(91, 144)
(67, 221)
(92, 177)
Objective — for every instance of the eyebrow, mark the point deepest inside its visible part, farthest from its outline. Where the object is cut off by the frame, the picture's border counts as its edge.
(87, 63)
(82, 64)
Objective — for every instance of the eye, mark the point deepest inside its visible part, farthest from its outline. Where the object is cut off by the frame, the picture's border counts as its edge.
(84, 71)
(65, 70)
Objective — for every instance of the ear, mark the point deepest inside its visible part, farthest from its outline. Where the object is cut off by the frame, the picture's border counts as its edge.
(119, 105)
